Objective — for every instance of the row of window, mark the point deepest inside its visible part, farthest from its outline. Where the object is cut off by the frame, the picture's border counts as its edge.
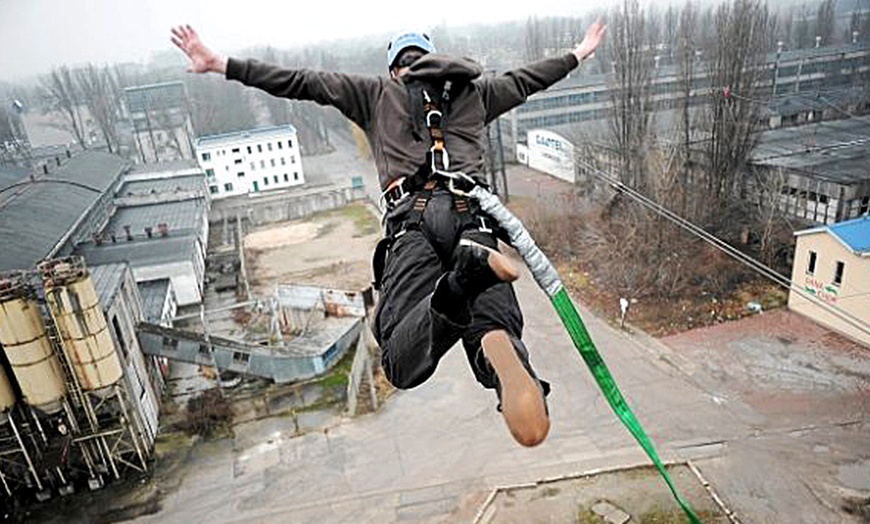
(237, 150)
(228, 187)
(838, 272)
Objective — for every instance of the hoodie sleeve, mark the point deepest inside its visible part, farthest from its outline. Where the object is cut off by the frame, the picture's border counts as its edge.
(504, 92)
(353, 95)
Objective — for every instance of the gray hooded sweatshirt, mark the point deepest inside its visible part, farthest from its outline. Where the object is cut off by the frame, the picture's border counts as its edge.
(381, 106)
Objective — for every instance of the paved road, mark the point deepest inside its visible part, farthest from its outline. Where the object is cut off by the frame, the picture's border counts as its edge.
(433, 453)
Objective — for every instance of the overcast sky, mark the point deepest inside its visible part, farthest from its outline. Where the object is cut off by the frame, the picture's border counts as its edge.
(38, 34)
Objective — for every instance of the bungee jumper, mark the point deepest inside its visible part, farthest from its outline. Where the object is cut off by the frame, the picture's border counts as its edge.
(438, 269)
(439, 272)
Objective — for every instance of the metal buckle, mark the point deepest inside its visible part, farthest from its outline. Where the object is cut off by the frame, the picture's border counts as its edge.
(452, 177)
(402, 194)
(445, 159)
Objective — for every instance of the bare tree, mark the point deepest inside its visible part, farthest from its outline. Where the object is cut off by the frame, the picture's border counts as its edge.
(64, 98)
(686, 46)
(630, 92)
(534, 39)
(736, 68)
(100, 97)
(825, 21)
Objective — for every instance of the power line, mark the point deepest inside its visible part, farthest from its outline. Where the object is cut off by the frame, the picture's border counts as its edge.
(731, 251)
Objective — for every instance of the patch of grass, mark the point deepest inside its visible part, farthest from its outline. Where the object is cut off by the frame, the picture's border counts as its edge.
(587, 516)
(339, 373)
(364, 221)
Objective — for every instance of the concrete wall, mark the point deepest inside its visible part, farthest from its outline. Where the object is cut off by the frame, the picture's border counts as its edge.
(122, 316)
(852, 296)
(267, 209)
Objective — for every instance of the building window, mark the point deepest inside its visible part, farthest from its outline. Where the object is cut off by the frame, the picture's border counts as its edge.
(286, 178)
(241, 358)
(295, 176)
(170, 343)
(262, 164)
(273, 162)
(269, 145)
(253, 166)
(213, 190)
(209, 173)
(238, 161)
(811, 267)
(259, 148)
(275, 179)
(240, 174)
(292, 159)
(289, 143)
(236, 150)
(228, 186)
(206, 157)
(280, 145)
(265, 181)
(838, 274)
(283, 160)
(249, 150)
(256, 186)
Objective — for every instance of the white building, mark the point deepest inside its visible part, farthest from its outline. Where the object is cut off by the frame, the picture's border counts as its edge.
(250, 161)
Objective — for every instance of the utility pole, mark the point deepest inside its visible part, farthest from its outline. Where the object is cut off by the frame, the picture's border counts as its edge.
(506, 196)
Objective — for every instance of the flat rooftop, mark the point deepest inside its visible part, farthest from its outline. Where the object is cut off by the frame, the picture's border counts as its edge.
(260, 133)
(837, 150)
(176, 184)
(182, 215)
(107, 280)
(141, 252)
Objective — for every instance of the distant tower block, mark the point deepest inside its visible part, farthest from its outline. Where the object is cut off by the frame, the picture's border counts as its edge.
(28, 349)
(74, 304)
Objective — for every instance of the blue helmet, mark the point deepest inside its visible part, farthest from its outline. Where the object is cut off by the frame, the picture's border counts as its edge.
(403, 41)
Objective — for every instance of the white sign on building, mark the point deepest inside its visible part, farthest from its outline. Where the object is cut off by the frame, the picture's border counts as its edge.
(551, 153)
(250, 161)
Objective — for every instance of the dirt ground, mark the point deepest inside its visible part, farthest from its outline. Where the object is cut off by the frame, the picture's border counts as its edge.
(638, 493)
(337, 247)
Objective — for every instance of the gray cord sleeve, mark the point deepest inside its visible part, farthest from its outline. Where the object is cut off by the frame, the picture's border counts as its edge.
(543, 271)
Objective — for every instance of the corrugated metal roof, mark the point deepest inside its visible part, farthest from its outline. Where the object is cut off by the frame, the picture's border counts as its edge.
(153, 293)
(33, 219)
(854, 233)
(107, 281)
(12, 174)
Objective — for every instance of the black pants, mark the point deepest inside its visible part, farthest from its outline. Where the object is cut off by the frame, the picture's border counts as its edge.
(414, 331)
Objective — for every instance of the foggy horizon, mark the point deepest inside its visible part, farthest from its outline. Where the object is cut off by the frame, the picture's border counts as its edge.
(39, 35)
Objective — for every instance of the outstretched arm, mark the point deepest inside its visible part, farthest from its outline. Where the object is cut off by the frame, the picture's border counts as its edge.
(202, 59)
(504, 92)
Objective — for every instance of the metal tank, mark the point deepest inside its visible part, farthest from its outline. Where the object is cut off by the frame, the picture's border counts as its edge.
(28, 349)
(75, 307)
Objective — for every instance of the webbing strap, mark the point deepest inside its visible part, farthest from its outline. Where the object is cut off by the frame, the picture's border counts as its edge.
(548, 279)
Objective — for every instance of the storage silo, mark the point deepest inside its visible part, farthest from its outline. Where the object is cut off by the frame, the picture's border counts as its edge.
(75, 306)
(26, 344)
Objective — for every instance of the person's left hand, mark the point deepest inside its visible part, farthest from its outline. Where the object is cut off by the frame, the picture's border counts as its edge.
(594, 36)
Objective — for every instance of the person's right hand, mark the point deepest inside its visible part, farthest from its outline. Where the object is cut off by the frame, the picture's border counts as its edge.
(202, 59)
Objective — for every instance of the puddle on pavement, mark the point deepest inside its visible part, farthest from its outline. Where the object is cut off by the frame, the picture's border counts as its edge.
(855, 476)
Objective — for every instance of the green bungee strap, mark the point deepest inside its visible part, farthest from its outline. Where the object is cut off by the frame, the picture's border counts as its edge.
(548, 279)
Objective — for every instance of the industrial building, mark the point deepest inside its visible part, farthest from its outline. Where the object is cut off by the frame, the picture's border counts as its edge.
(251, 161)
(79, 399)
(159, 226)
(162, 127)
(830, 77)
(832, 266)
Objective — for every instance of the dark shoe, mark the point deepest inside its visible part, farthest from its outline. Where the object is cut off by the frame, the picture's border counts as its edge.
(477, 268)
